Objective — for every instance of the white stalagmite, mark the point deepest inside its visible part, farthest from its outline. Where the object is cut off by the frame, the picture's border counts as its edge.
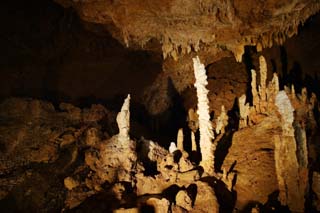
(286, 110)
(172, 147)
(123, 119)
(206, 133)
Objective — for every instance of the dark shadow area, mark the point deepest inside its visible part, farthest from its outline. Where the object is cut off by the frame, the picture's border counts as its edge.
(274, 205)
(48, 53)
(102, 202)
(295, 77)
(192, 192)
(248, 61)
(164, 126)
(147, 209)
(171, 192)
(250, 206)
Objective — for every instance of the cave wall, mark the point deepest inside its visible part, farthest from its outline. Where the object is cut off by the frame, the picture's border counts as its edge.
(47, 53)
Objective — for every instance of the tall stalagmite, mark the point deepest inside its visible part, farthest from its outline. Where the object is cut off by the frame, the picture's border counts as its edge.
(287, 166)
(206, 133)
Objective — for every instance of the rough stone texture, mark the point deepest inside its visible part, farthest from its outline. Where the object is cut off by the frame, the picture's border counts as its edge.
(123, 210)
(252, 152)
(205, 200)
(40, 150)
(183, 200)
(183, 26)
(39, 146)
(221, 121)
(316, 189)
(160, 205)
(70, 183)
(115, 160)
(291, 187)
(271, 106)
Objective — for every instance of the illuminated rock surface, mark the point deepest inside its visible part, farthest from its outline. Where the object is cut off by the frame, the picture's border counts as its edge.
(222, 116)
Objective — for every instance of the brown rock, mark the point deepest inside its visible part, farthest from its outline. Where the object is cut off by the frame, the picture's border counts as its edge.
(183, 200)
(70, 183)
(252, 152)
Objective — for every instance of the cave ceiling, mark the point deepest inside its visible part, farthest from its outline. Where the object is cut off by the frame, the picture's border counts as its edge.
(205, 27)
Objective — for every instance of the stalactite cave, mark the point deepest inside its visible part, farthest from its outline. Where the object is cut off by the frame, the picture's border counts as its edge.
(160, 106)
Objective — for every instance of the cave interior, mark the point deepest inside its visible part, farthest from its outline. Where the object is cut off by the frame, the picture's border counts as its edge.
(159, 106)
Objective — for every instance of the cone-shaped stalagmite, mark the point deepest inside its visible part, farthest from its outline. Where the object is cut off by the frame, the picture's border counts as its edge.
(123, 119)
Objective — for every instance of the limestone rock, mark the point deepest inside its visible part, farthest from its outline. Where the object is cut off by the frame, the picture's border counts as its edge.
(123, 210)
(183, 200)
(205, 200)
(316, 189)
(92, 137)
(176, 26)
(73, 112)
(70, 183)
(254, 164)
(67, 140)
(94, 114)
(185, 164)
(153, 151)
(151, 185)
(193, 121)
(115, 161)
(160, 205)
(221, 121)
(244, 112)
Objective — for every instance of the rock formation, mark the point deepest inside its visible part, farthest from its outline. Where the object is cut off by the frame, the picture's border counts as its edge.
(279, 112)
(222, 121)
(124, 169)
(123, 120)
(316, 189)
(176, 26)
(206, 133)
(236, 132)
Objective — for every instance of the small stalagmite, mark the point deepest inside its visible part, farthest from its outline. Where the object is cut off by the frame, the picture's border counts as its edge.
(254, 91)
(222, 121)
(123, 120)
(193, 142)
(244, 109)
(172, 147)
(180, 140)
(263, 85)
